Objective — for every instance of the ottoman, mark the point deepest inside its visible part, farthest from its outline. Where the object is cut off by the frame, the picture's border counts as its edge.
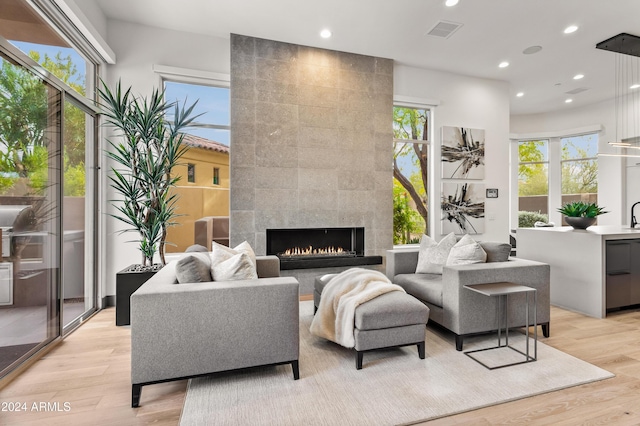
(390, 320)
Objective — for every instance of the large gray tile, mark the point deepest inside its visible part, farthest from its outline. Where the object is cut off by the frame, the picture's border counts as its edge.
(242, 112)
(315, 75)
(321, 96)
(318, 158)
(276, 199)
(275, 70)
(275, 113)
(269, 156)
(243, 88)
(242, 66)
(276, 178)
(242, 199)
(384, 66)
(358, 81)
(276, 92)
(276, 50)
(242, 177)
(326, 179)
(359, 63)
(356, 180)
(317, 199)
(318, 116)
(317, 57)
(318, 137)
(278, 135)
(383, 84)
(242, 45)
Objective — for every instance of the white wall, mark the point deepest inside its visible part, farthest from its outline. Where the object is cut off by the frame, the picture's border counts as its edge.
(137, 49)
(466, 102)
(611, 175)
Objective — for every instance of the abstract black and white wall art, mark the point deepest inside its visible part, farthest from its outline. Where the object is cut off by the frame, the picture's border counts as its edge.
(462, 207)
(462, 153)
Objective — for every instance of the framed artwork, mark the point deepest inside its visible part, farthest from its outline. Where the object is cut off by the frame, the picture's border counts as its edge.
(462, 207)
(462, 153)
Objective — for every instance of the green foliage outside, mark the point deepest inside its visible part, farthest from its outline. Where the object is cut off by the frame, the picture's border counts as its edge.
(532, 177)
(528, 219)
(407, 223)
(410, 197)
(24, 153)
(579, 168)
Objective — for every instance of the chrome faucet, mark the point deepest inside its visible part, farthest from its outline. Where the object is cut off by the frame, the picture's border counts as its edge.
(633, 217)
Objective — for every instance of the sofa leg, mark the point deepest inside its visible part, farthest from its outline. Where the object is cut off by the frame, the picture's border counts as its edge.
(545, 330)
(458, 343)
(295, 366)
(421, 350)
(136, 391)
(359, 356)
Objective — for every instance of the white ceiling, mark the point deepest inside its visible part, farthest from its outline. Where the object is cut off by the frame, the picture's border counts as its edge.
(492, 31)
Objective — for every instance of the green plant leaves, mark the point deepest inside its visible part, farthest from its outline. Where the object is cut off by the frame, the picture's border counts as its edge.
(145, 154)
(581, 209)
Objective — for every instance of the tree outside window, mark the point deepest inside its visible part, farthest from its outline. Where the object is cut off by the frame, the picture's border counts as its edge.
(533, 182)
(410, 172)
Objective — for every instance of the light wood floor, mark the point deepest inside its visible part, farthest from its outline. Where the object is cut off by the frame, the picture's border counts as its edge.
(90, 371)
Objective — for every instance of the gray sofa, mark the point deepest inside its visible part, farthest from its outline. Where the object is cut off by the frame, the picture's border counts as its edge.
(463, 311)
(186, 330)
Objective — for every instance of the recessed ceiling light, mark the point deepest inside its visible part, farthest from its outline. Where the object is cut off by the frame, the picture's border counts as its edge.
(578, 76)
(503, 64)
(531, 50)
(520, 94)
(570, 29)
(450, 3)
(326, 33)
(635, 86)
(568, 101)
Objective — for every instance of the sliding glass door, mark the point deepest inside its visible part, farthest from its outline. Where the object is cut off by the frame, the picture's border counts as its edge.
(30, 189)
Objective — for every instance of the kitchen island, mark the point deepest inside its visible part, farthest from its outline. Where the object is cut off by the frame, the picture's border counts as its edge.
(592, 270)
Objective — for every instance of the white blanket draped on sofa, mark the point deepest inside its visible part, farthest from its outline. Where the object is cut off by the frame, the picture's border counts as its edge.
(341, 296)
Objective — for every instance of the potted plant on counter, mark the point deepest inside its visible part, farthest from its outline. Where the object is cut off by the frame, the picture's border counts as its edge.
(148, 147)
(581, 215)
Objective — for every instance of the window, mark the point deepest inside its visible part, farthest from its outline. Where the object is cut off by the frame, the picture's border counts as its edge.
(553, 172)
(213, 105)
(216, 176)
(410, 172)
(580, 168)
(533, 182)
(191, 173)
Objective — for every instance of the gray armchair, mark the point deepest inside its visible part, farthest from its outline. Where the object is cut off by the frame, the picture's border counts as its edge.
(180, 331)
(463, 311)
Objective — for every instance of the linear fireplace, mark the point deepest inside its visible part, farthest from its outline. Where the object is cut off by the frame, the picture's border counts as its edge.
(304, 248)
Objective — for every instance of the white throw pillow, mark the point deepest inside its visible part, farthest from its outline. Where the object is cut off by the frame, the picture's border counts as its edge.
(466, 251)
(237, 267)
(433, 256)
(220, 254)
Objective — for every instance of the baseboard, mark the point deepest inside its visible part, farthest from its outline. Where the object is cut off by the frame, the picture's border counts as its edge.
(109, 301)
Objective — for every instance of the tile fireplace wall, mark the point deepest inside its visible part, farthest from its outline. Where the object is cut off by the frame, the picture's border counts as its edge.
(311, 142)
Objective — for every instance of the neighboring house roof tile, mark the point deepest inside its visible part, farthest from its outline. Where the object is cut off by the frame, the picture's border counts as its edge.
(198, 142)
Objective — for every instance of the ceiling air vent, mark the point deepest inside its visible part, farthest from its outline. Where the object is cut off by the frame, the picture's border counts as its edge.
(576, 91)
(443, 29)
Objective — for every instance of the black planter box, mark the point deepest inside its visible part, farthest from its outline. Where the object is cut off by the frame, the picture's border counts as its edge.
(128, 281)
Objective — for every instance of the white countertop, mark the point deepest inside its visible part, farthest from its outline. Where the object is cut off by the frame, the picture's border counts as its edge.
(609, 230)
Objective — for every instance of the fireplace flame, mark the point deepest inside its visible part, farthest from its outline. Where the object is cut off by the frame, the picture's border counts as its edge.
(310, 251)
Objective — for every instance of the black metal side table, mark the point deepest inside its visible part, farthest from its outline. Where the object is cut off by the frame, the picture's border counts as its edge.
(502, 290)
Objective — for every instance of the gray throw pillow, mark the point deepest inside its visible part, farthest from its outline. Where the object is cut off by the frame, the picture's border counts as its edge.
(196, 248)
(192, 269)
(496, 252)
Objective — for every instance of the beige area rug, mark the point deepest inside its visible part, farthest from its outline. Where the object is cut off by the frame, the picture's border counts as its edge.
(394, 387)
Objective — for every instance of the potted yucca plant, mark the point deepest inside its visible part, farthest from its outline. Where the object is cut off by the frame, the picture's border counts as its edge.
(581, 215)
(148, 148)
